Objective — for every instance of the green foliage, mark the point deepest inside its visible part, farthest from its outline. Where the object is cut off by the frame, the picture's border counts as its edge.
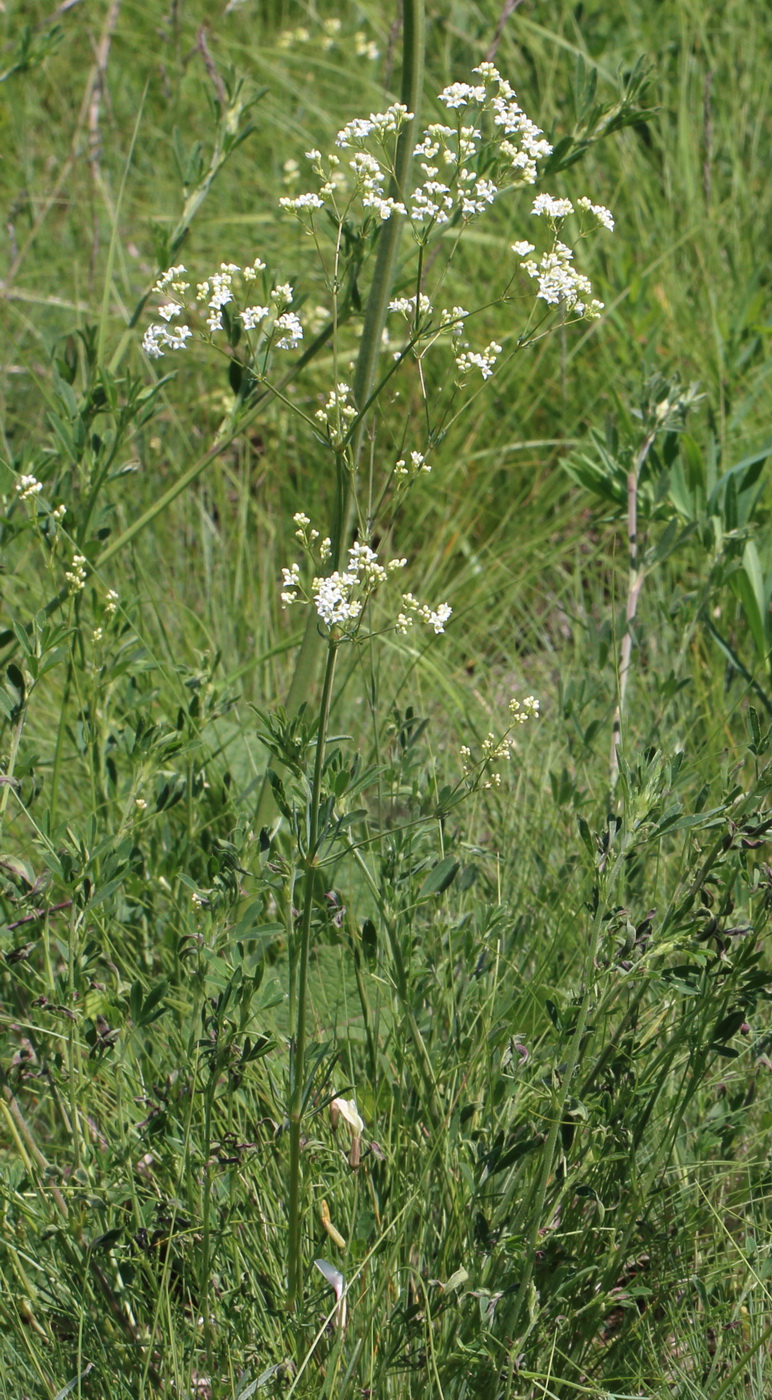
(548, 1000)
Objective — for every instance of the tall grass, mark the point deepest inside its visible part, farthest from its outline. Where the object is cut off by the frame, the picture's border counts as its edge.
(549, 1002)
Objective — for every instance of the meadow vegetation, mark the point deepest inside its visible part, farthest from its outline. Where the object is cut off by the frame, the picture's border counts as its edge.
(385, 701)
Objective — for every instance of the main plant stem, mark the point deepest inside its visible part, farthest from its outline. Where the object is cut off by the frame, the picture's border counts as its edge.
(307, 663)
(297, 1070)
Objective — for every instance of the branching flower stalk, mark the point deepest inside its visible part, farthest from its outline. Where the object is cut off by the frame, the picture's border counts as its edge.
(484, 145)
(307, 663)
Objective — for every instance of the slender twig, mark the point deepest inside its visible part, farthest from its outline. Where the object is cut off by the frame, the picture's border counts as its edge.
(508, 9)
(36, 914)
(94, 111)
(635, 575)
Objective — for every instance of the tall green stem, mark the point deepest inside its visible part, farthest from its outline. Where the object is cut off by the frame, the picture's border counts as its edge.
(307, 664)
(297, 1080)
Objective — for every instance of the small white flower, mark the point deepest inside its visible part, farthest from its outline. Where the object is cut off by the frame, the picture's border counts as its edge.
(28, 486)
(407, 306)
(602, 214)
(379, 125)
(553, 208)
(300, 202)
(251, 316)
(484, 361)
(291, 331)
(282, 295)
(347, 1110)
(76, 574)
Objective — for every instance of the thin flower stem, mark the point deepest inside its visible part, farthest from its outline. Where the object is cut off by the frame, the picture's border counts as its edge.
(297, 1081)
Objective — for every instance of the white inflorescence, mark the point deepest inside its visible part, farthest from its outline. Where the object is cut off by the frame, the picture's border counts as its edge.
(407, 305)
(435, 618)
(230, 286)
(553, 208)
(412, 465)
(560, 284)
(603, 215)
(28, 487)
(490, 143)
(493, 749)
(76, 574)
(483, 360)
(493, 122)
(291, 331)
(378, 126)
(337, 414)
(340, 598)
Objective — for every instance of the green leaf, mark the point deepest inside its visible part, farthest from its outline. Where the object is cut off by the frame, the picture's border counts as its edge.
(440, 878)
(748, 585)
(728, 1026)
(369, 940)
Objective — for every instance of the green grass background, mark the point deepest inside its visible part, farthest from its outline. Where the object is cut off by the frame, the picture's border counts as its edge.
(535, 570)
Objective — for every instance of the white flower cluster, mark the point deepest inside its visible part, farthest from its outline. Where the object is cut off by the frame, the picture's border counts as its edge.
(453, 319)
(369, 177)
(560, 284)
(230, 285)
(299, 202)
(76, 574)
(483, 360)
(561, 208)
(217, 292)
(330, 38)
(308, 536)
(157, 339)
(499, 141)
(291, 331)
(435, 618)
(378, 126)
(494, 749)
(365, 48)
(602, 214)
(111, 602)
(553, 208)
(412, 465)
(528, 710)
(340, 598)
(160, 337)
(337, 414)
(28, 487)
(407, 306)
